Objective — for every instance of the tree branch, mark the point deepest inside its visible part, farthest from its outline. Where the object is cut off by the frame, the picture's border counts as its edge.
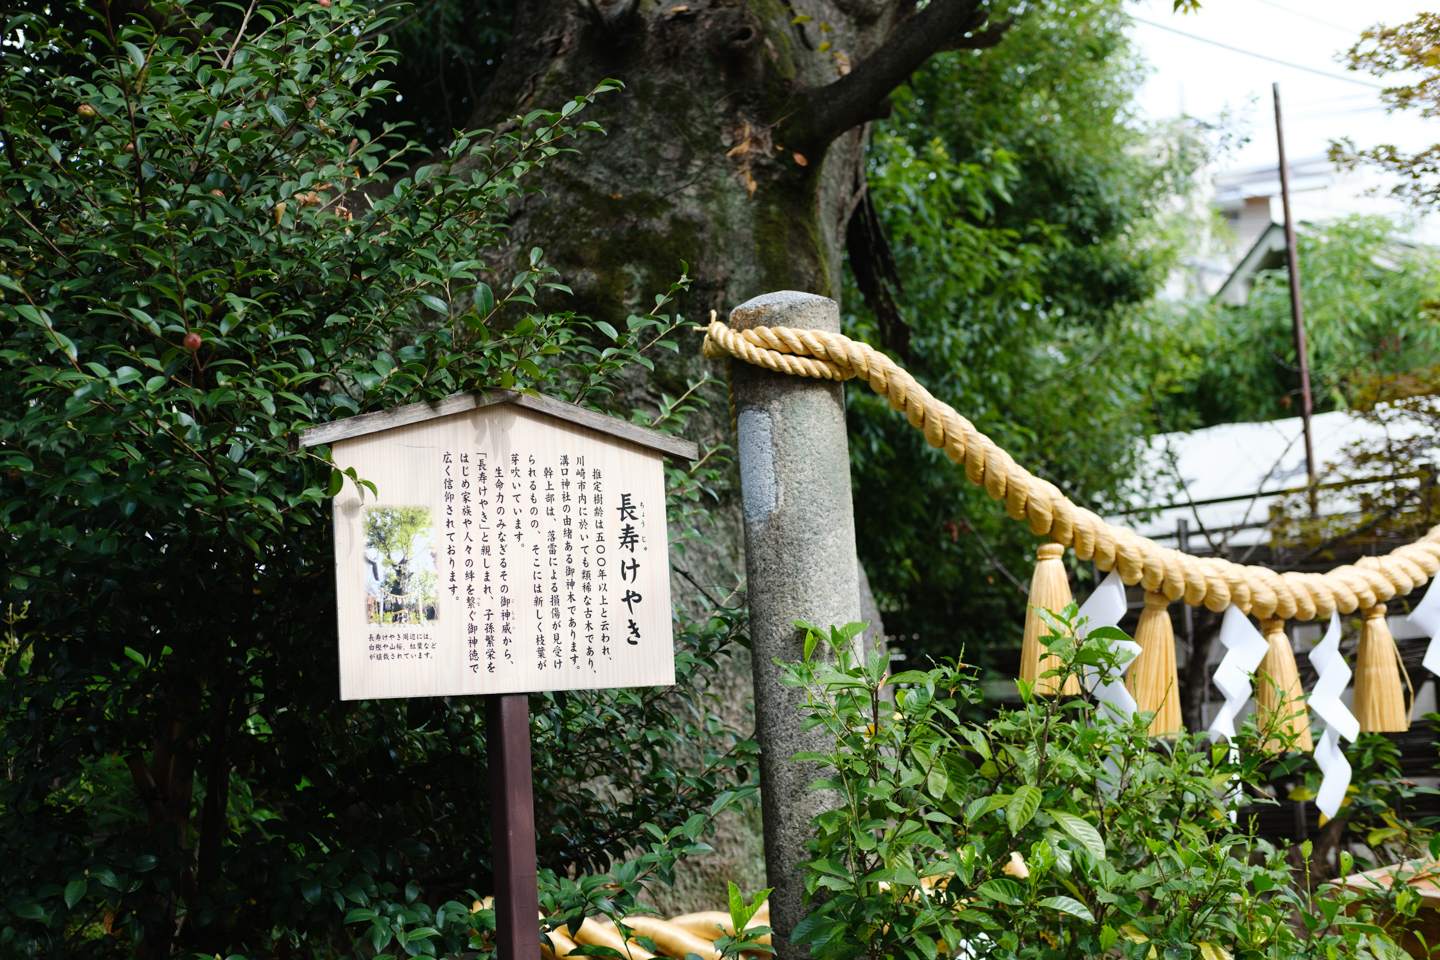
(862, 94)
(161, 19)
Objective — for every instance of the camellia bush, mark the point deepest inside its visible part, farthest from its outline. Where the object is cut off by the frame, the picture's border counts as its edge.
(1051, 830)
(203, 249)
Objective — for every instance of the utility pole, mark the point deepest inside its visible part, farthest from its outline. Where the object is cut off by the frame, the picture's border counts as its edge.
(1297, 310)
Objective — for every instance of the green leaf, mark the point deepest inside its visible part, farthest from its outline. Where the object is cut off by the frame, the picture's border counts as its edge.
(1108, 937)
(1379, 836)
(75, 891)
(740, 912)
(937, 782)
(1022, 806)
(1002, 891)
(137, 57)
(1069, 905)
(484, 299)
(337, 483)
(596, 950)
(976, 739)
(434, 303)
(607, 329)
(977, 808)
(1082, 831)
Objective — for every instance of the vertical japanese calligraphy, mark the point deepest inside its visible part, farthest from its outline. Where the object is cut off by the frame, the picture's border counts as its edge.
(507, 551)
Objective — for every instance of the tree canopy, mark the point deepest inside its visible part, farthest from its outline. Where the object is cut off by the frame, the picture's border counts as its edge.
(1030, 217)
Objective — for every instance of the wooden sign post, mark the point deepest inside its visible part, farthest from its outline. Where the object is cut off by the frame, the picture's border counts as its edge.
(514, 544)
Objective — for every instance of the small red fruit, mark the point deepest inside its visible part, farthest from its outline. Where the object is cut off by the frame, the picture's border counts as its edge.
(86, 111)
(192, 341)
(226, 124)
(324, 3)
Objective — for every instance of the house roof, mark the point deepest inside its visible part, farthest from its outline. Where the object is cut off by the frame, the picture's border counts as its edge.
(1266, 253)
(367, 423)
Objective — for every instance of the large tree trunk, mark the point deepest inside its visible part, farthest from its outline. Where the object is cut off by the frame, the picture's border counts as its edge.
(736, 146)
(709, 90)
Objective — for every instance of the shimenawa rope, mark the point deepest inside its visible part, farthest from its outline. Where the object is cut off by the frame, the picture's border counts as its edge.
(1208, 581)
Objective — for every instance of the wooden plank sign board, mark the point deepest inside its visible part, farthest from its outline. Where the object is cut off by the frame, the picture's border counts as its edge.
(516, 544)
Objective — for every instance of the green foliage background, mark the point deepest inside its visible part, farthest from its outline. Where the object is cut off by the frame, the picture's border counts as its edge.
(1370, 299)
(207, 246)
(1055, 829)
(1031, 219)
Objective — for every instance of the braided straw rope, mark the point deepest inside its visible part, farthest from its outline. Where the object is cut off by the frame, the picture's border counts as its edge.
(1210, 581)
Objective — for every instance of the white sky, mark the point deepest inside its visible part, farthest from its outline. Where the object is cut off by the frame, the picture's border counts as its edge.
(1204, 80)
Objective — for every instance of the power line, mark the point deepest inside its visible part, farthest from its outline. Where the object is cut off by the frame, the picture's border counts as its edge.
(1258, 56)
(1324, 23)
(1315, 115)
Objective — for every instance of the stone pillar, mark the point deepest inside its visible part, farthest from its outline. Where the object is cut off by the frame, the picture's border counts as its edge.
(800, 564)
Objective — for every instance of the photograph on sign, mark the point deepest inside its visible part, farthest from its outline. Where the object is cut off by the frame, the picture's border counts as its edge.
(400, 583)
(505, 551)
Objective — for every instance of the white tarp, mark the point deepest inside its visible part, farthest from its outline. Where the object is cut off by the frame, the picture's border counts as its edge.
(1234, 460)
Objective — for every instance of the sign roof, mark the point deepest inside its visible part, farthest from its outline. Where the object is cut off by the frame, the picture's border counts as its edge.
(368, 423)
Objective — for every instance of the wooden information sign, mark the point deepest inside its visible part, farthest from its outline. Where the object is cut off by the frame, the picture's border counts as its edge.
(514, 544)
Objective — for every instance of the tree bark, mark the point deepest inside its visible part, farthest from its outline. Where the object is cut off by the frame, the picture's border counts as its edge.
(736, 146)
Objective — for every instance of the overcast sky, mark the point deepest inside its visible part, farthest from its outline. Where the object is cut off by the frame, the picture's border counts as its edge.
(1204, 80)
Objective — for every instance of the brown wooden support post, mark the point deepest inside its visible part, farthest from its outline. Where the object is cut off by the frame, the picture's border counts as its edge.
(512, 825)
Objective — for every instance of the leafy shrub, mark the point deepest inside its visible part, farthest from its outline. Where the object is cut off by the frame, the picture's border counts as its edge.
(1049, 831)
(201, 250)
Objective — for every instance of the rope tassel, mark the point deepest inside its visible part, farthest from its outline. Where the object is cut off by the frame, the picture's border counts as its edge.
(1049, 590)
(1278, 691)
(1153, 681)
(1379, 700)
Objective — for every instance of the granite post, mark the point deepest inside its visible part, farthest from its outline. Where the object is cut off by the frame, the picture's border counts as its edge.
(800, 564)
